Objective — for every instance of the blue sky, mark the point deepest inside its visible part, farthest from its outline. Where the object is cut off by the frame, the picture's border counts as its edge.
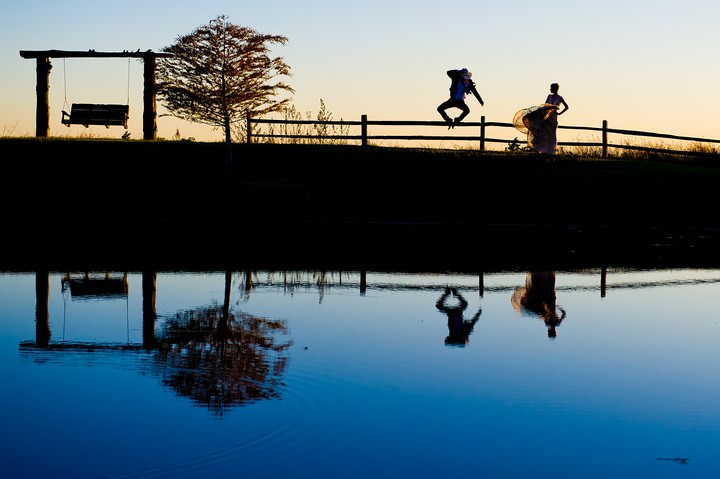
(645, 65)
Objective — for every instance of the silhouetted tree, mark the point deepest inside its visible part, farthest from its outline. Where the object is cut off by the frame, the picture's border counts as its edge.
(220, 73)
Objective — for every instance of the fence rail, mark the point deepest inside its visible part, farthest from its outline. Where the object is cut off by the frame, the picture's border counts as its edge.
(481, 137)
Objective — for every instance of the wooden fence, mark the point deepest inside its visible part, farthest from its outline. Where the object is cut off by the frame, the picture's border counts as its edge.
(481, 136)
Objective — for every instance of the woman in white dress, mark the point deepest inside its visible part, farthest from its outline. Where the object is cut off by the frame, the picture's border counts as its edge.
(540, 122)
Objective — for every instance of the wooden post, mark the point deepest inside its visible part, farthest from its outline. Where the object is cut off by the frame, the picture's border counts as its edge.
(604, 139)
(248, 127)
(482, 133)
(42, 90)
(363, 129)
(149, 99)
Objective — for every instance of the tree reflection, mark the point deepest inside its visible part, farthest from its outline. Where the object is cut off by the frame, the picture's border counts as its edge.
(222, 360)
(538, 298)
(209, 354)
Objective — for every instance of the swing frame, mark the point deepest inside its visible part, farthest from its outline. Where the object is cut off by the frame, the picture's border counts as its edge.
(42, 87)
(87, 114)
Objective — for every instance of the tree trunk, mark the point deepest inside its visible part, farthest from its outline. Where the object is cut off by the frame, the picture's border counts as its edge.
(228, 145)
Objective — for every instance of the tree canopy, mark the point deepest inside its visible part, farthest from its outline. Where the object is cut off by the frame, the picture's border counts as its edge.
(222, 72)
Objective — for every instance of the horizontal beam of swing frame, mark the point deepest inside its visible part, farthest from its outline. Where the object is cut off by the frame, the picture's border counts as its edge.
(92, 54)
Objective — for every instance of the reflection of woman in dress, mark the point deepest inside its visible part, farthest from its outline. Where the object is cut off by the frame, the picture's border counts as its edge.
(538, 297)
(541, 122)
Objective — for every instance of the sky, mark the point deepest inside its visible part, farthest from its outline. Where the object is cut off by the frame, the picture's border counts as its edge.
(649, 65)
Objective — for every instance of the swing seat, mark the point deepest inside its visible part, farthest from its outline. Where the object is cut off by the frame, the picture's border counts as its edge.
(87, 114)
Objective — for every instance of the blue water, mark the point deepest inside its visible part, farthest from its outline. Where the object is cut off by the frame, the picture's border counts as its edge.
(320, 377)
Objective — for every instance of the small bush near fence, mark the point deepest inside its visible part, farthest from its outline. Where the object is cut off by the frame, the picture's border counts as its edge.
(296, 129)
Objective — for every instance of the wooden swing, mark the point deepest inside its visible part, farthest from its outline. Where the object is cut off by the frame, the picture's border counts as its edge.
(87, 114)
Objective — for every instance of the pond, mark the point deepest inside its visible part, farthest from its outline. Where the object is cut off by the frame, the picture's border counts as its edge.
(310, 374)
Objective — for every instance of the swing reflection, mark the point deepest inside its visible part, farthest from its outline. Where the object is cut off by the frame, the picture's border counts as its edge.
(89, 286)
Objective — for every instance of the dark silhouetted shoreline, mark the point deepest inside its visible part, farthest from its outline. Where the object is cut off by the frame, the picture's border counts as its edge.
(104, 204)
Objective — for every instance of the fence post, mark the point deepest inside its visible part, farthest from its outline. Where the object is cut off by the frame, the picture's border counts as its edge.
(482, 133)
(604, 140)
(363, 129)
(248, 128)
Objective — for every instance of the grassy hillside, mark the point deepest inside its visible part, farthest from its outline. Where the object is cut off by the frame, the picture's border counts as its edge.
(171, 201)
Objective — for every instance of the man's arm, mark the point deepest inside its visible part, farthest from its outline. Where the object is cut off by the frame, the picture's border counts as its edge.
(440, 303)
(474, 91)
(463, 301)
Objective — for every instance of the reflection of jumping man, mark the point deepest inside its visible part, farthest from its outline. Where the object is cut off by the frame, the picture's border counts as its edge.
(459, 329)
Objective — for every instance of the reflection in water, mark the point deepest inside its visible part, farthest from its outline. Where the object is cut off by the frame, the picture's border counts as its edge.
(42, 313)
(90, 286)
(219, 360)
(208, 354)
(538, 297)
(459, 329)
(359, 392)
